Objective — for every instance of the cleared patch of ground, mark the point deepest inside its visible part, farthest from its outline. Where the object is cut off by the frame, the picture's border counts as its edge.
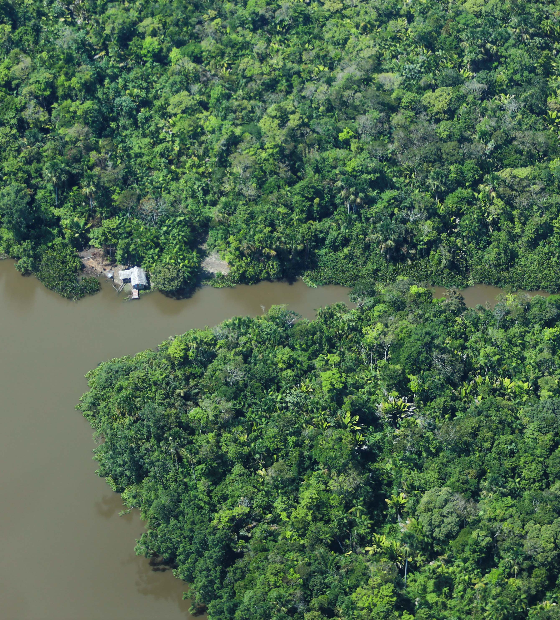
(214, 264)
(96, 264)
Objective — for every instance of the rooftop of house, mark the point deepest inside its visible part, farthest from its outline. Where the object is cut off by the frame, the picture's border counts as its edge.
(136, 275)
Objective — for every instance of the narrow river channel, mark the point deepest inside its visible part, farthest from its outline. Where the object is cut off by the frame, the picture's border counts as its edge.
(66, 554)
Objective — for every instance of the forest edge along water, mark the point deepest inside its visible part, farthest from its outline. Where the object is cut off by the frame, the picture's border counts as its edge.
(71, 556)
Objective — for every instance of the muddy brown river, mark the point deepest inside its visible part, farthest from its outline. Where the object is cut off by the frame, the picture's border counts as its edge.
(66, 554)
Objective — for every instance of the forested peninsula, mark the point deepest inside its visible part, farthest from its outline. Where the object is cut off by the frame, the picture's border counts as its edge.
(341, 140)
(397, 460)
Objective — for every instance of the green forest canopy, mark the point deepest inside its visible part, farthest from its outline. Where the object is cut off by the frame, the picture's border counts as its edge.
(396, 460)
(341, 139)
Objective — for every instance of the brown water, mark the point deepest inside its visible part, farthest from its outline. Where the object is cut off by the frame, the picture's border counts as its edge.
(482, 294)
(65, 552)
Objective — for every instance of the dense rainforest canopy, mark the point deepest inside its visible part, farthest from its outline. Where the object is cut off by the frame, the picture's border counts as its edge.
(341, 139)
(396, 460)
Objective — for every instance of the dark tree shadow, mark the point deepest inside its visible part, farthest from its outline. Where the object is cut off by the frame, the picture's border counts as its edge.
(151, 582)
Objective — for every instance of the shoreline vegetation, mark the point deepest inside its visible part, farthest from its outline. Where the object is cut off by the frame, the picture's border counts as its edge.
(343, 142)
(395, 461)
(398, 460)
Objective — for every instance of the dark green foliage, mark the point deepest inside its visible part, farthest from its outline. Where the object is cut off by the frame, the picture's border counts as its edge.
(58, 270)
(15, 212)
(342, 140)
(167, 278)
(300, 469)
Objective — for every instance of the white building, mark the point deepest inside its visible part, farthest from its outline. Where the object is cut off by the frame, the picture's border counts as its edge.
(137, 277)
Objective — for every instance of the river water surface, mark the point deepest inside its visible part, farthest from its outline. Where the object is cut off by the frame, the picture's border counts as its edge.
(66, 554)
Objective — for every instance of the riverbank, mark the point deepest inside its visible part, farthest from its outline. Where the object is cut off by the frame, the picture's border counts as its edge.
(98, 265)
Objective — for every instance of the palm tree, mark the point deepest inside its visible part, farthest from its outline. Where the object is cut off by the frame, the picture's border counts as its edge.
(89, 190)
(349, 195)
(55, 174)
(397, 503)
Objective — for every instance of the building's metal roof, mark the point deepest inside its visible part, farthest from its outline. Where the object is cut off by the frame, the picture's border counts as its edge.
(136, 275)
